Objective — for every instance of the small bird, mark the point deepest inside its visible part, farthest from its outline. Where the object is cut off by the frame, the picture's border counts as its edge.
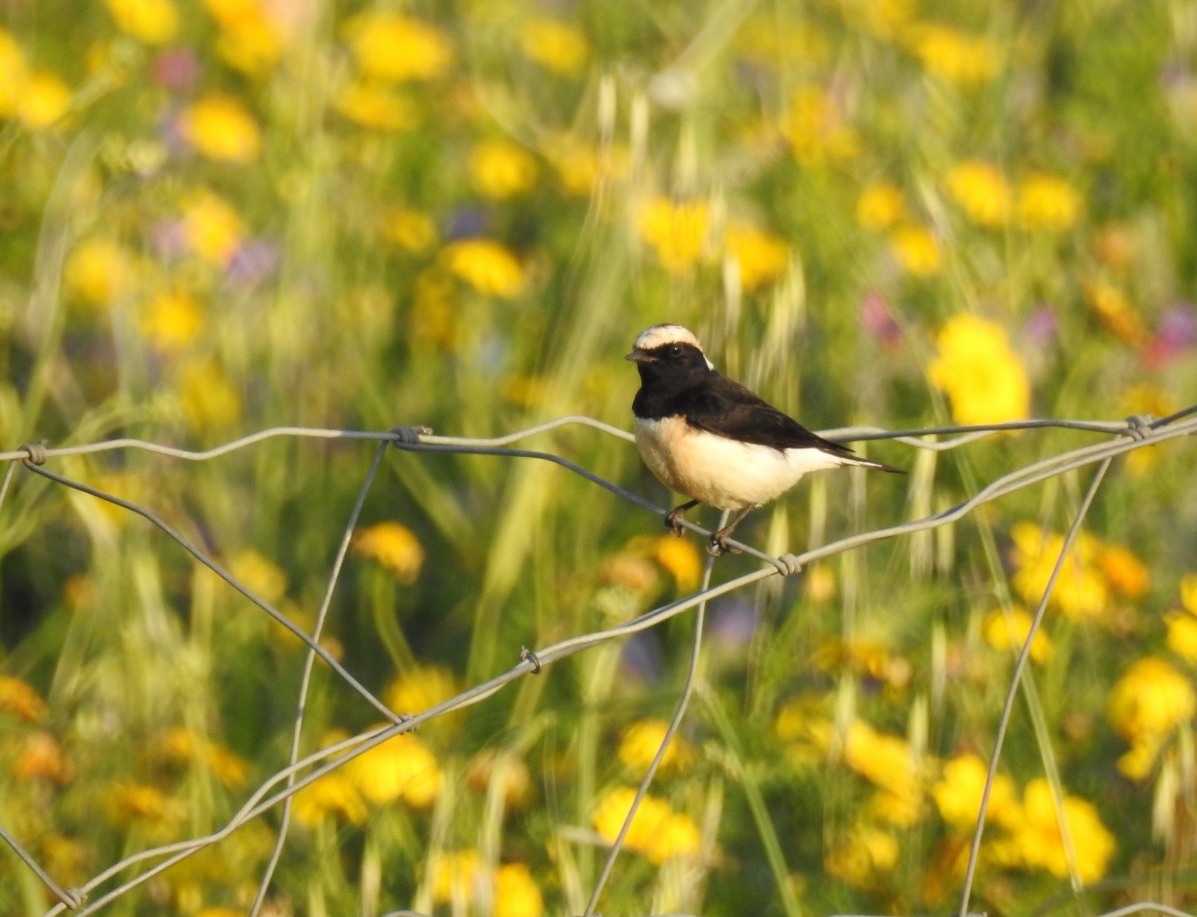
(710, 438)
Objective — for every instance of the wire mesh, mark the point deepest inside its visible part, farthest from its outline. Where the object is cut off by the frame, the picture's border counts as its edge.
(279, 789)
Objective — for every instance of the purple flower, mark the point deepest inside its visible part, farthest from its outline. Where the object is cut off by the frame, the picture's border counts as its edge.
(878, 321)
(734, 623)
(176, 69)
(169, 238)
(467, 223)
(254, 261)
(1042, 327)
(1177, 332)
(641, 657)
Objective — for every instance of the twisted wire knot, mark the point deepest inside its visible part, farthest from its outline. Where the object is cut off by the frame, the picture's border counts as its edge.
(409, 436)
(1139, 426)
(787, 565)
(526, 655)
(36, 452)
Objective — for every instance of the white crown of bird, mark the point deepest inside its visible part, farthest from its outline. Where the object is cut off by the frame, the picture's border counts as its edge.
(660, 335)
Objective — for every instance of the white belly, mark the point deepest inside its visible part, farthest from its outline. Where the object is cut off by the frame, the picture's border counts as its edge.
(721, 472)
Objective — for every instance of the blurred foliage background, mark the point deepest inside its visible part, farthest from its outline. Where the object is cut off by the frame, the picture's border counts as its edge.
(223, 215)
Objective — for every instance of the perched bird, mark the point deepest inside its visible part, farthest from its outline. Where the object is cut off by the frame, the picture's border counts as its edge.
(713, 440)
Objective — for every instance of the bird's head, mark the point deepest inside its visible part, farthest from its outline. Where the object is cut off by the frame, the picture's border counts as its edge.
(669, 351)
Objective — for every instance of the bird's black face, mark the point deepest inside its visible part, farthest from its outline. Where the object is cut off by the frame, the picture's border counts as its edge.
(672, 362)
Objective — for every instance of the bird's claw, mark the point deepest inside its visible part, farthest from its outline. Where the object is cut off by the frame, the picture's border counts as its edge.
(719, 545)
(673, 522)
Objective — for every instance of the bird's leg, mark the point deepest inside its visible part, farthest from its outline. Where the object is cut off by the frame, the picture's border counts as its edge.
(674, 519)
(719, 540)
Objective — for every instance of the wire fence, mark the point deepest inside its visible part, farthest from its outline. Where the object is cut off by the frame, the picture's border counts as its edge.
(278, 791)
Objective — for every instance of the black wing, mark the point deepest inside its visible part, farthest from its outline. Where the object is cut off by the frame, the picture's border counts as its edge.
(726, 408)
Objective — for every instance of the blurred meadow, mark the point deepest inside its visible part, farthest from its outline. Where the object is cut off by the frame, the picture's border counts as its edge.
(224, 215)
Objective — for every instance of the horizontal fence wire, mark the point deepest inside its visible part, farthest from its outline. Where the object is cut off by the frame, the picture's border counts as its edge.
(278, 790)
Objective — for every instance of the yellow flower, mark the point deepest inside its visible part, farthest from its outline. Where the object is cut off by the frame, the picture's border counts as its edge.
(954, 56)
(229, 767)
(393, 546)
(880, 205)
(884, 760)
(516, 894)
(172, 321)
(981, 375)
(1124, 572)
(153, 21)
(981, 191)
(1182, 635)
(1038, 842)
(580, 168)
(422, 687)
(1080, 589)
(760, 256)
(221, 128)
(211, 227)
(1145, 705)
(1009, 631)
(138, 802)
(902, 811)
(676, 232)
(179, 745)
(249, 38)
(916, 250)
(554, 45)
(397, 48)
(640, 741)
(677, 835)
(680, 559)
(19, 699)
(333, 794)
(867, 854)
(13, 72)
(457, 878)
(260, 575)
(402, 768)
(502, 169)
(376, 105)
(409, 229)
(1047, 202)
(958, 792)
(802, 717)
(42, 758)
(208, 399)
(1188, 592)
(41, 100)
(656, 830)
(100, 271)
(487, 266)
(815, 129)
(1114, 310)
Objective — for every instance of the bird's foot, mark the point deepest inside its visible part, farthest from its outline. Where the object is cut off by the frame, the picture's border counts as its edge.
(719, 544)
(674, 521)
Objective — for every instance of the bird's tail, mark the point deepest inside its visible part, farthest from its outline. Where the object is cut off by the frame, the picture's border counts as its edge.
(866, 463)
(847, 456)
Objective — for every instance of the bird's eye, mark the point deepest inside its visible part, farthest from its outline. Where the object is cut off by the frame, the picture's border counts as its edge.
(675, 350)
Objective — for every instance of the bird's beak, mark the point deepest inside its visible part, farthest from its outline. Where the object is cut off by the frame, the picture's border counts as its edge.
(640, 356)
